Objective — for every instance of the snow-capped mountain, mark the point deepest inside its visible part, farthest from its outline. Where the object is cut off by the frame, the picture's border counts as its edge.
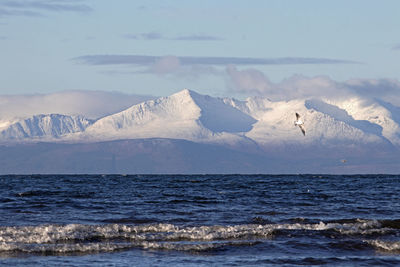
(184, 115)
(192, 133)
(324, 123)
(191, 116)
(46, 127)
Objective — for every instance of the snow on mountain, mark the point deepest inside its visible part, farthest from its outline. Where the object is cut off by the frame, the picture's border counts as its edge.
(275, 123)
(382, 116)
(184, 115)
(191, 116)
(44, 127)
(4, 123)
(200, 118)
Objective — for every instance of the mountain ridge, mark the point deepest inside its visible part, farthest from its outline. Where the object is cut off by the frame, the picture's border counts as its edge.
(52, 126)
(191, 116)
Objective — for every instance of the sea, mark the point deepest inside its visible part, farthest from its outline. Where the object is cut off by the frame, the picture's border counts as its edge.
(200, 220)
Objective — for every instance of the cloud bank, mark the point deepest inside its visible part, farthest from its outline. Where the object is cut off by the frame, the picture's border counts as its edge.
(385, 89)
(170, 66)
(37, 8)
(244, 79)
(396, 47)
(159, 36)
(144, 60)
(198, 38)
(249, 81)
(91, 104)
(253, 82)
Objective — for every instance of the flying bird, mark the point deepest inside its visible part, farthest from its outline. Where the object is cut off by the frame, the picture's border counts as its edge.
(300, 123)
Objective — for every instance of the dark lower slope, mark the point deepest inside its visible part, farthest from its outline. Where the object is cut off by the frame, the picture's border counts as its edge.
(126, 156)
(165, 156)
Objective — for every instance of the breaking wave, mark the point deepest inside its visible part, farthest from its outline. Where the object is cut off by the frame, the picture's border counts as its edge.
(385, 246)
(82, 238)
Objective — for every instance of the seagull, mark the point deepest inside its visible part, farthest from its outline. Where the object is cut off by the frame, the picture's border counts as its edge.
(300, 123)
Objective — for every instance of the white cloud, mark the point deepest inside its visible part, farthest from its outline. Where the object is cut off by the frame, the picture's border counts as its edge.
(385, 89)
(249, 81)
(253, 82)
(92, 104)
(299, 86)
(165, 65)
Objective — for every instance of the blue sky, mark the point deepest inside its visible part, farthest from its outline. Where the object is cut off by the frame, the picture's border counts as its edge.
(219, 48)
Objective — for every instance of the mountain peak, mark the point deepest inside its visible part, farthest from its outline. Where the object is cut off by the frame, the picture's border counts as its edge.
(186, 93)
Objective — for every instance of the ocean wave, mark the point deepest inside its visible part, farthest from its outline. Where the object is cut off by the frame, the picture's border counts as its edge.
(159, 232)
(84, 238)
(78, 238)
(52, 249)
(384, 245)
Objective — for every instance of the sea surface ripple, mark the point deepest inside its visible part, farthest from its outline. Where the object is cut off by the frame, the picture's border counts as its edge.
(200, 220)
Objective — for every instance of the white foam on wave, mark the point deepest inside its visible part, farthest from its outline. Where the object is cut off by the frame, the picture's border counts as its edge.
(389, 246)
(165, 232)
(105, 238)
(85, 238)
(195, 246)
(63, 248)
(359, 227)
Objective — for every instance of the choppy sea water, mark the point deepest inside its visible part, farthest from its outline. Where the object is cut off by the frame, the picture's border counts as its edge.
(200, 220)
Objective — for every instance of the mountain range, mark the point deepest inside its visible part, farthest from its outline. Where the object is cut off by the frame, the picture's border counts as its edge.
(192, 133)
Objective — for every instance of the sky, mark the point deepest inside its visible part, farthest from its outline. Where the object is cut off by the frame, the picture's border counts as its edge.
(219, 48)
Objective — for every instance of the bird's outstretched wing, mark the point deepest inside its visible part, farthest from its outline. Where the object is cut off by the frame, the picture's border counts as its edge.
(297, 116)
(303, 130)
